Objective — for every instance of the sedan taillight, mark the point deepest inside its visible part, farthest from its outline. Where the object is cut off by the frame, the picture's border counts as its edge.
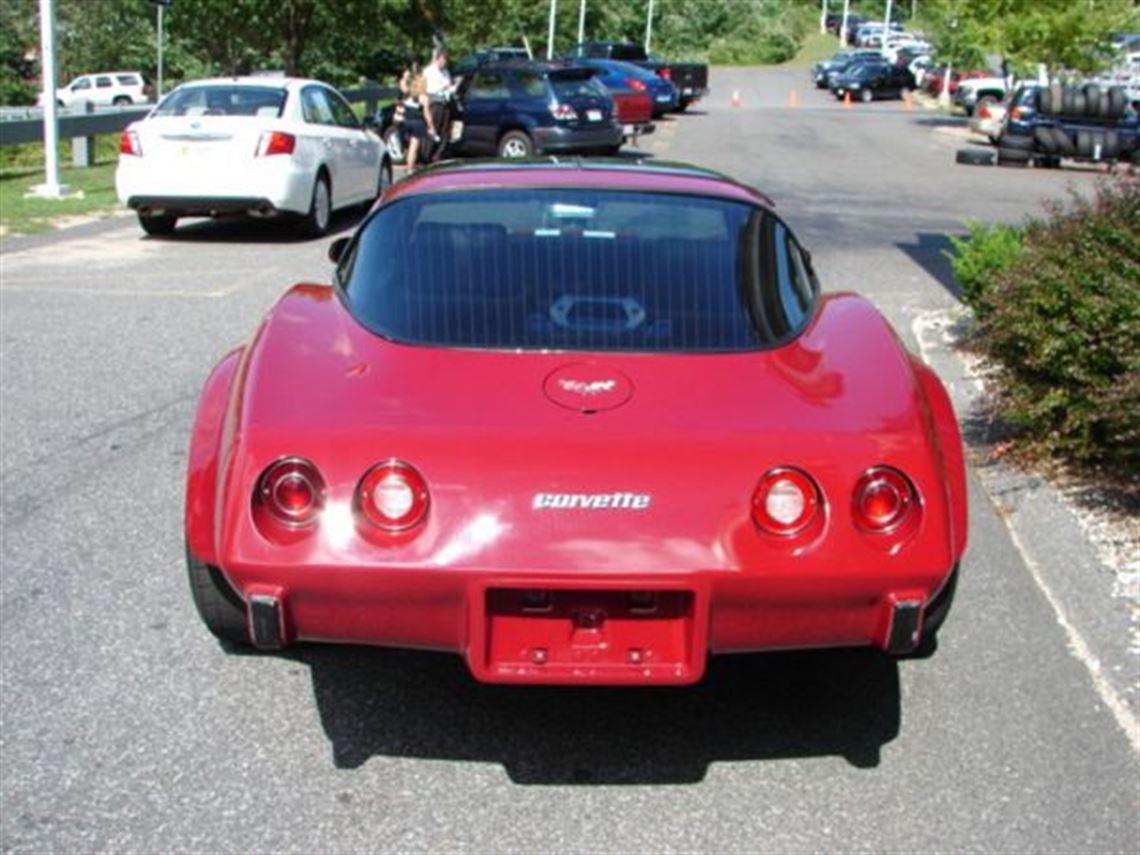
(129, 144)
(275, 142)
(564, 112)
(635, 84)
(392, 496)
(785, 502)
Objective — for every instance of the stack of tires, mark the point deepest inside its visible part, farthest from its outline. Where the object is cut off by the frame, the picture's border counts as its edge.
(1073, 122)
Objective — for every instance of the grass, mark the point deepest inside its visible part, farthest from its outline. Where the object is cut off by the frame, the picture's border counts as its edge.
(815, 47)
(23, 168)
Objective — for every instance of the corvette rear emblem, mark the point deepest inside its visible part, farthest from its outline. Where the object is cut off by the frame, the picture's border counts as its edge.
(581, 387)
(592, 501)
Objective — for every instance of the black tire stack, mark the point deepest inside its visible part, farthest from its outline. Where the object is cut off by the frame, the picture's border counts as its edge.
(1096, 109)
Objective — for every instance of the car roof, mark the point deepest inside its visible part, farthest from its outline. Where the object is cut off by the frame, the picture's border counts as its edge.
(618, 174)
(264, 82)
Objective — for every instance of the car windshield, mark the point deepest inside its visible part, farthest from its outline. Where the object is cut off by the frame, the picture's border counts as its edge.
(576, 83)
(223, 100)
(578, 269)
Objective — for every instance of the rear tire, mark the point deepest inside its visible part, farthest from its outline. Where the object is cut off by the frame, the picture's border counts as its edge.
(121, 101)
(221, 609)
(161, 225)
(516, 144)
(1016, 141)
(316, 223)
(866, 96)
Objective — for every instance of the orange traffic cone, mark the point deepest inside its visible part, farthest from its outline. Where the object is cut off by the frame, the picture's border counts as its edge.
(793, 99)
(735, 99)
(847, 100)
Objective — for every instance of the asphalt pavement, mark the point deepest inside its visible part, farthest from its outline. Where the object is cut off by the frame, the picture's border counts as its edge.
(125, 727)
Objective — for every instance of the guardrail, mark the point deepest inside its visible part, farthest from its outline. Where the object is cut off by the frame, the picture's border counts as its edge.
(25, 124)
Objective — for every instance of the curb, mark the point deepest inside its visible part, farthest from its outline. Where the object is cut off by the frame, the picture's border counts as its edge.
(1097, 606)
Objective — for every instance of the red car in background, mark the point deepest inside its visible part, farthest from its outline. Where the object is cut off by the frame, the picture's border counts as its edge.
(578, 422)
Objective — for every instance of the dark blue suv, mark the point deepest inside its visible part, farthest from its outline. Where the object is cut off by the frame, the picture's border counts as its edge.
(519, 109)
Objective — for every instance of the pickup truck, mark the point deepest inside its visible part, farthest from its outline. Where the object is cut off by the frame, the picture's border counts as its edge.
(690, 78)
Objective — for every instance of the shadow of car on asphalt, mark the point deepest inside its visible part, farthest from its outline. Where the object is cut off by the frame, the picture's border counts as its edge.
(929, 251)
(255, 230)
(399, 703)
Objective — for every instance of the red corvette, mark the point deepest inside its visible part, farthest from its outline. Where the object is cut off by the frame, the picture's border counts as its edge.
(580, 423)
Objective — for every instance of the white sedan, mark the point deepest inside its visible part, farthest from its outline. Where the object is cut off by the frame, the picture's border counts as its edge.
(254, 146)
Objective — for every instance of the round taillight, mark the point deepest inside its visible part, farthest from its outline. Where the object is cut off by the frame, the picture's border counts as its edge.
(292, 490)
(785, 502)
(884, 498)
(392, 496)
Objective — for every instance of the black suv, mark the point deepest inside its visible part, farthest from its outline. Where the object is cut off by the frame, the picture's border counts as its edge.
(519, 109)
(867, 81)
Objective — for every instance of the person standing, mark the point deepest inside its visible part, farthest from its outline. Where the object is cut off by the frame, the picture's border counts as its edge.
(439, 90)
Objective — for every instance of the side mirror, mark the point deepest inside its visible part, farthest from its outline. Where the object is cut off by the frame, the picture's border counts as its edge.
(337, 248)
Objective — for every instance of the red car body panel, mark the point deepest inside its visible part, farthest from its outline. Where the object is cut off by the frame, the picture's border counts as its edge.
(695, 433)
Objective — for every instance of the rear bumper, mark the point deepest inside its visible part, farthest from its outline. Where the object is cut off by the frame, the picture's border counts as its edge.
(590, 628)
(202, 206)
(560, 139)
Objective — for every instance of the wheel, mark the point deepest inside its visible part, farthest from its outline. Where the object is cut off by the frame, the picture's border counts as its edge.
(159, 225)
(1092, 99)
(316, 222)
(394, 144)
(1117, 102)
(1084, 144)
(1103, 106)
(120, 101)
(1110, 147)
(866, 96)
(221, 609)
(1068, 101)
(1044, 139)
(514, 144)
(975, 156)
(1016, 141)
(1012, 157)
(1056, 99)
(1064, 143)
(683, 105)
(1080, 103)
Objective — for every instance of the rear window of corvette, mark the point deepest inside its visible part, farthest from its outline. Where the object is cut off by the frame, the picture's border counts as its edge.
(578, 269)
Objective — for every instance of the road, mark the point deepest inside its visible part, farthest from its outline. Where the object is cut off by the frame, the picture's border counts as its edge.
(124, 727)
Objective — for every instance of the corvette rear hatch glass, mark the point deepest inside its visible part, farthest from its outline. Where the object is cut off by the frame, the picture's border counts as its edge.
(578, 269)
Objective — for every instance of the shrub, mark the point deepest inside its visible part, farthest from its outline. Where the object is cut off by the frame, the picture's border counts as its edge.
(978, 259)
(1061, 322)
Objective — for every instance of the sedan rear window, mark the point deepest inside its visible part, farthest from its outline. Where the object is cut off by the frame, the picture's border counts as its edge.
(223, 100)
(578, 269)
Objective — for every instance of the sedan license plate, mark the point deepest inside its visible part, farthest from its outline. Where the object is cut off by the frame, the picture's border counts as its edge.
(628, 130)
(594, 115)
(688, 90)
(663, 99)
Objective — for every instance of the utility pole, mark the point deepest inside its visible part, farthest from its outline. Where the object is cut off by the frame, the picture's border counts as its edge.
(51, 188)
(581, 21)
(843, 26)
(649, 27)
(886, 28)
(161, 6)
(550, 30)
(823, 18)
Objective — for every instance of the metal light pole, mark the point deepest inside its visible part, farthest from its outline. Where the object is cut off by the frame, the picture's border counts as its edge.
(843, 26)
(649, 26)
(581, 21)
(886, 29)
(550, 30)
(51, 188)
(823, 18)
(158, 93)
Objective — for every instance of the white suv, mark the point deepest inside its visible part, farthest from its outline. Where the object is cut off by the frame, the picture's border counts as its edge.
(106, 89)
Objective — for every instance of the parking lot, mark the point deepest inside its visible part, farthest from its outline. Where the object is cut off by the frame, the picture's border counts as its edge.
(125, 727)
